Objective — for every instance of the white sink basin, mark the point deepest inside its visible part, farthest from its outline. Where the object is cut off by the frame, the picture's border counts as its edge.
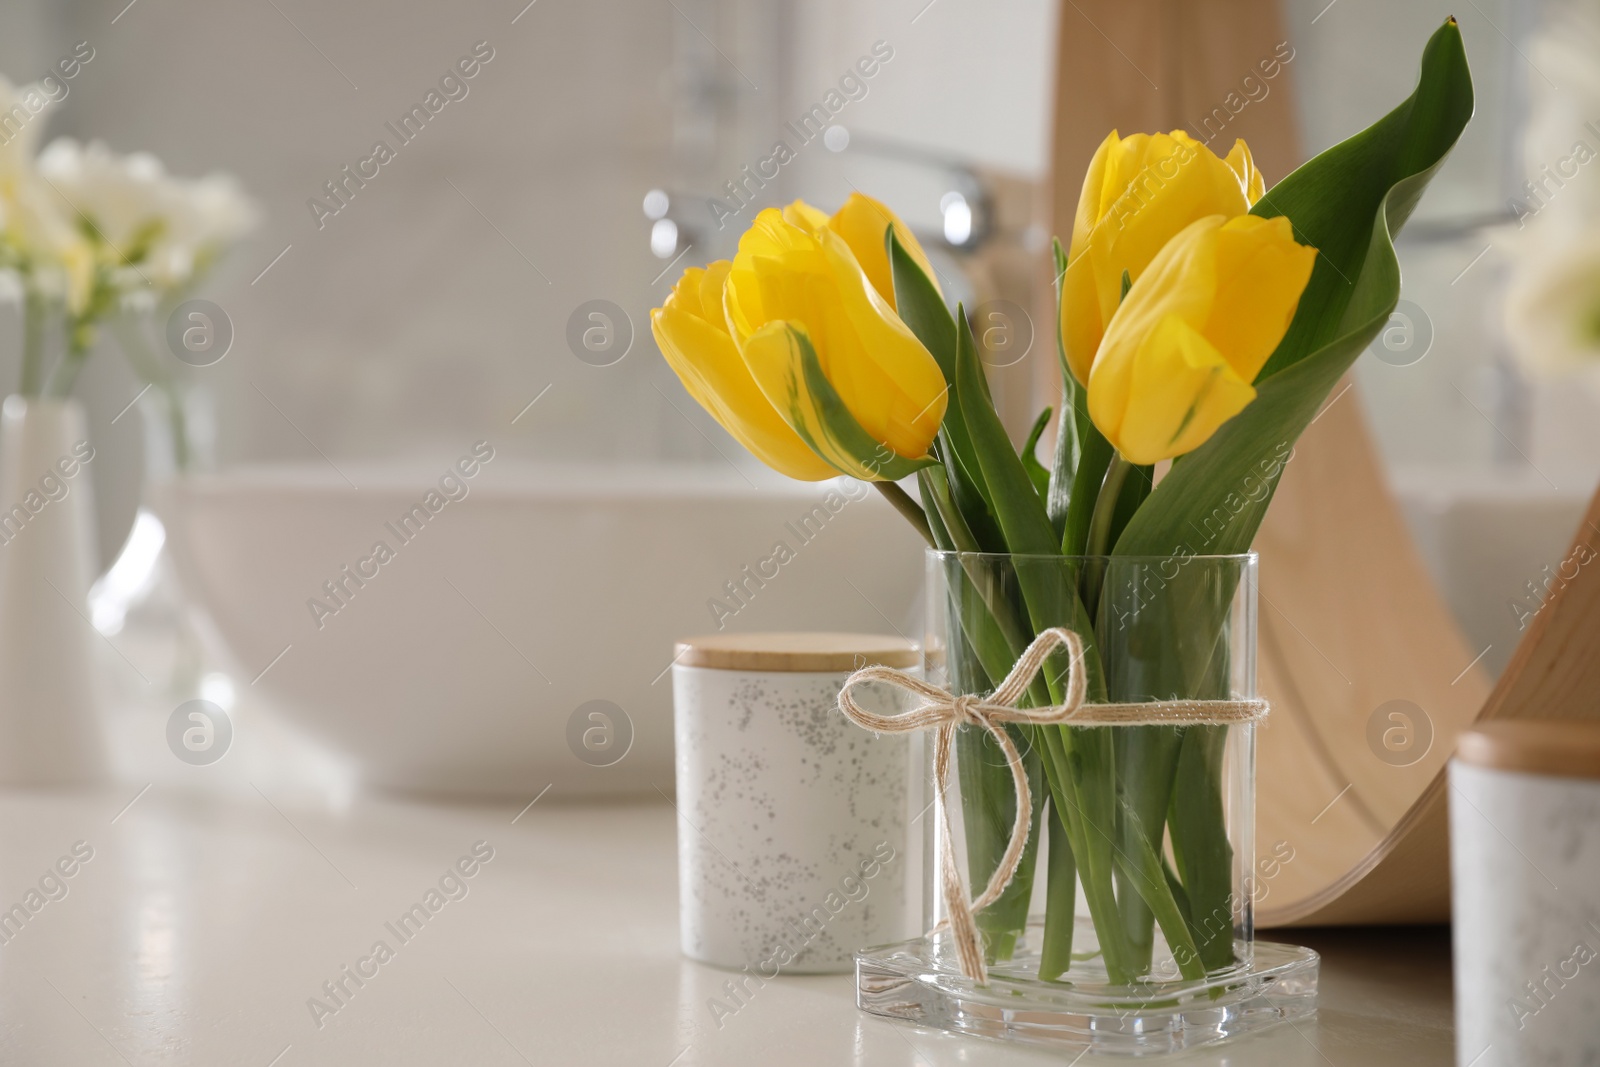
(1496, 540)
(456, 665)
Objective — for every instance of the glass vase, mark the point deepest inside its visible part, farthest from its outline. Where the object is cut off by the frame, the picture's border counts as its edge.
(1127, 926)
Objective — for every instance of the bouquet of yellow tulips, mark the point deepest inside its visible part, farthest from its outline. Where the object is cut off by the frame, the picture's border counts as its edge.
(1203, 320)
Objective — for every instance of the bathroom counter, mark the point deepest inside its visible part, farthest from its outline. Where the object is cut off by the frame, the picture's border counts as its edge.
(195, 929)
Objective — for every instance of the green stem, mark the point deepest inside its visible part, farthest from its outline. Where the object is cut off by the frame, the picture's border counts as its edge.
(1064, 464)
(1146, 758)
(1105, 505)
(1105, 509)
(148, 367)
(1002, 640)
(1061, 901)
(178, 426)
(1070, 778)
(1086, 478)
(1200, 846)
(976, 652)
(935, 485)
(33, 318)
(65, 374)
(1143, 868)
(989, 806)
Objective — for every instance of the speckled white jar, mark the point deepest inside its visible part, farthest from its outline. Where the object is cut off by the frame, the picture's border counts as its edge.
(792, 821)
(1525, 866)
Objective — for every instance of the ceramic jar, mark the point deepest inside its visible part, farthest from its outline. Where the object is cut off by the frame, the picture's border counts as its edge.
(50, 728)
(1525, 866)
(792, 821)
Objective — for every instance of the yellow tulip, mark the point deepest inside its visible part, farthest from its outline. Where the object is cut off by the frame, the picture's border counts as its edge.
(827, 349)
(1180, 354)
(1139, 192)
(693, 336)
(863, 223)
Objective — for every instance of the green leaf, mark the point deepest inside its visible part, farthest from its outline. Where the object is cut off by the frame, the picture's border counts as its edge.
(922, 309)
(1069, 434)
(818, 414)
(1082, 452)
(1063, 465)
(1348, 203)
(1095, 457)
(1017, 505)
(1035, 469)
(1135, 490)
(1146, 757)
(934, 483)
(1050, 600)
(1141, 867)
(1200, 846)
(930, 503)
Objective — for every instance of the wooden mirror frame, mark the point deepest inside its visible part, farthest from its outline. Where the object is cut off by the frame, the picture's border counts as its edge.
(1356, 647)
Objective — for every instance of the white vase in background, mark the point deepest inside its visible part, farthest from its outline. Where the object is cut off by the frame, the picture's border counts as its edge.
(50, 730)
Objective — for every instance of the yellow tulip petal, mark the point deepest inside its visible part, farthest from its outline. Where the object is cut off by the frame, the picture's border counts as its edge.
(801, 214)
(1180, 390)
(770, 234)
(796, 352)
(863, 223)
(784, 361)
(769, 244)
(709, 297)
(1181, 281)
(1081, 324)
(889, 382)
(906, 416)
(774, 362)
(708, 364)
(1178, 181)
(1261, 273)
(1180, 355)
(1091, 196)
(1140, 191)
(1243, 164)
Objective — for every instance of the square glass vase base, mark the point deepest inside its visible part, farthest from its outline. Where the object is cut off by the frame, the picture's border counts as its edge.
(919, 981)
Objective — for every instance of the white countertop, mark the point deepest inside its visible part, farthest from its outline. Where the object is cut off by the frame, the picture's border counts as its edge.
(202, 925)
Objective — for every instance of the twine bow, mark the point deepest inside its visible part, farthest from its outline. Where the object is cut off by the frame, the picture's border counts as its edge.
(944, 711)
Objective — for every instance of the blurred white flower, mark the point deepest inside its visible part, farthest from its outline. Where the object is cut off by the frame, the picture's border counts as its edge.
(155, 228)
(42, 243)
(24, 110)
(1553, 308)
(1560, 120)
(91, 233)
(38, 241)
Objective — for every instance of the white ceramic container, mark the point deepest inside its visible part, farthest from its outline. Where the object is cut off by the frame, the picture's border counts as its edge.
(50, 731)
(792, 825)
(1525, 866)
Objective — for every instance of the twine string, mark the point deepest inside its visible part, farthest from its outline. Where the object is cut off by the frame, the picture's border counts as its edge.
(943, 711)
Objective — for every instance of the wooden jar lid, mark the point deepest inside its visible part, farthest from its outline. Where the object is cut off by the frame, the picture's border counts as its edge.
(1567, 748)
(796, 652)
